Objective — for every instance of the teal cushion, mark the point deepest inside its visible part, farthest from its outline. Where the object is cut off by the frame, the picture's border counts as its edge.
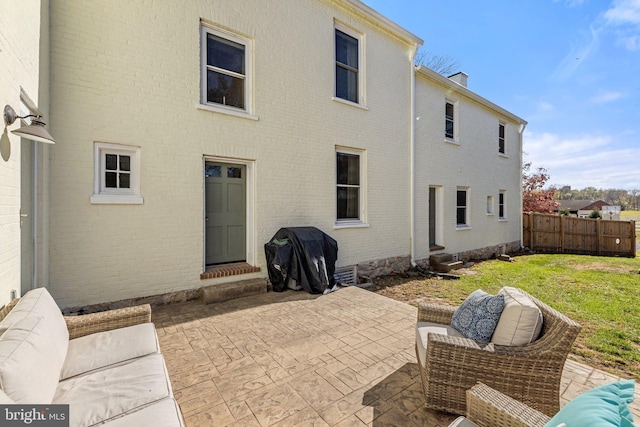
(478, 316)
(603, 406)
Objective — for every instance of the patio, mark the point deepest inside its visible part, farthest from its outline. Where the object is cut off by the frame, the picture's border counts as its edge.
(292, 359)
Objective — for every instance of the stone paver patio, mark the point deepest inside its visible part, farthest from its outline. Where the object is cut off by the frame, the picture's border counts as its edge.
(296, 359)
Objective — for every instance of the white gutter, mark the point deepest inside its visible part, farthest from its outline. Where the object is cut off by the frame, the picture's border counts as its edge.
(383, 21)
(458, 88)
(412, 137)
(523, 126)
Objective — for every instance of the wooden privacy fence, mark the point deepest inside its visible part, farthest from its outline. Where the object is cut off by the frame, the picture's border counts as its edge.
(571, 235)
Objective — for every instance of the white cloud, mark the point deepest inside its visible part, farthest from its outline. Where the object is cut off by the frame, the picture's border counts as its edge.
(578, 54)
(605, 97)
(623, 17)
(584, 161)
(544, 106)
(570, 3)
(623, 12)
(631, 42)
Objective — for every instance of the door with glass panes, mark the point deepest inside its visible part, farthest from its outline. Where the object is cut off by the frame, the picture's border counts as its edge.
(225, 213)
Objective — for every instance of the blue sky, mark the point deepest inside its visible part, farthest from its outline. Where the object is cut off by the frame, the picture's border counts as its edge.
(571, 68)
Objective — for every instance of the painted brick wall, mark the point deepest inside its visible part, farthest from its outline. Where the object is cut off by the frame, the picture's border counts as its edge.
(128, 72)
(19, 68)
(474, 163)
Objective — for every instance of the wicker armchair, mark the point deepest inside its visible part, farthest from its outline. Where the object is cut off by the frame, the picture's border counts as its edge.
(86, 324)
(530, 373)
(489, 408)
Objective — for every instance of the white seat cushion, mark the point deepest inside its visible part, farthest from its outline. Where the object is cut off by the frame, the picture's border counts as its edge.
(103, 349)
(107, 393)
(39, 302)
(160, 414)
(521, 320)
(425, 328)
(5, 400)
(29, 365)
(462, 422)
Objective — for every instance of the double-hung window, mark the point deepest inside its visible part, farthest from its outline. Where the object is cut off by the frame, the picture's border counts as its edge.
(116, 174)
(449, 120)
(348, 51)
(462, 208)
(501, 138)
(349, 186)
(226, 70)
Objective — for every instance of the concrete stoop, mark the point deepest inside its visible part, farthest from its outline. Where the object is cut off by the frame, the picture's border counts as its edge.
(228, 291)
(444, 263)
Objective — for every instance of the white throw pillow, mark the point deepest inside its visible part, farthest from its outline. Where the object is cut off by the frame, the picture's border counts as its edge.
(39, 302)
(521, 320)
(29, 366)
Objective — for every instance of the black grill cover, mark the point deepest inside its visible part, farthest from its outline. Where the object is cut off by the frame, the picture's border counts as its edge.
(305, 254)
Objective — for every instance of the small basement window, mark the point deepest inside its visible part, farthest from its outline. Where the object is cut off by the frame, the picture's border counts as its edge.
(116, 174)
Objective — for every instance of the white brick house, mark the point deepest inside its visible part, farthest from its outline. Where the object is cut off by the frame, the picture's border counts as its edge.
(468, 154)
(290, 113)
(24, 29)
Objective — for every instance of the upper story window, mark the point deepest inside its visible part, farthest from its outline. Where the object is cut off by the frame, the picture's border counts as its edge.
(501, 138)
(348, 50)
(116, 174)
(502, 207)
(226, 70)
(350, 195)
(462, 208)
(450, 120)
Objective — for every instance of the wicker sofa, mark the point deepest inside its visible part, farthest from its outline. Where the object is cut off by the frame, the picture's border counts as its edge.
(530, 373)
(106, 366)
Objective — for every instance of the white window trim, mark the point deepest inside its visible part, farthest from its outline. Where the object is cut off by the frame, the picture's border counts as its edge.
(361, 65)
(102, 195)
(456, 119)
(247, 112)
(250, 228)
(467, 212)
(490, 206)
(503, 154)
(362, 221)
(504, 205)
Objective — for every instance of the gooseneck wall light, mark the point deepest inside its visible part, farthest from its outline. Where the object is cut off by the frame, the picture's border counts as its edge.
(35, 131)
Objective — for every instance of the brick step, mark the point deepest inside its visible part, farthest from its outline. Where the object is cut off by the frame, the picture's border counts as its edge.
(445, 267)
(228, 291)
(440, 258)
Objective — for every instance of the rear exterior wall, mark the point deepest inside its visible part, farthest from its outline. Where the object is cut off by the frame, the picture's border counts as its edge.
(128, 72)
(471, 162)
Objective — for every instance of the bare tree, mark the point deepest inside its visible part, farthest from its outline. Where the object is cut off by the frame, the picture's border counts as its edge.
(443, 64)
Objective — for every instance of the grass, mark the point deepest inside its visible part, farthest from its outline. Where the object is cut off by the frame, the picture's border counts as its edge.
(629, 214)
(600, 293)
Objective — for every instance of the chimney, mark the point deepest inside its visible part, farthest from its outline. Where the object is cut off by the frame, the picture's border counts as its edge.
(460, 78)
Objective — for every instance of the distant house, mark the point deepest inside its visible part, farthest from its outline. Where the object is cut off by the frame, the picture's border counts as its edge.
(581, 208)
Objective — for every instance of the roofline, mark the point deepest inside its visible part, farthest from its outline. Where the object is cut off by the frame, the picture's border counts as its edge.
(384, 21)
(457, 87)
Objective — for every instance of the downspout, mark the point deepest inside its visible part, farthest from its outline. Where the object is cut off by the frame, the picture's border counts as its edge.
(412, 138)
(521, 133)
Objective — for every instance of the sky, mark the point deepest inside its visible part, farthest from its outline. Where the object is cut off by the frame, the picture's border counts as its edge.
(570, 68)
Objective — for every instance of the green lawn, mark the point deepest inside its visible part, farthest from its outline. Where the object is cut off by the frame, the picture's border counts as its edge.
(600, 293)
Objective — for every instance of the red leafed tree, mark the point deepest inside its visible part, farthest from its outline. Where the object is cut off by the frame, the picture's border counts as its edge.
(534, 197)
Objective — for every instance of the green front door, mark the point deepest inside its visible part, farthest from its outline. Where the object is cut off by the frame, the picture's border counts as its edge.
(225, 213)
